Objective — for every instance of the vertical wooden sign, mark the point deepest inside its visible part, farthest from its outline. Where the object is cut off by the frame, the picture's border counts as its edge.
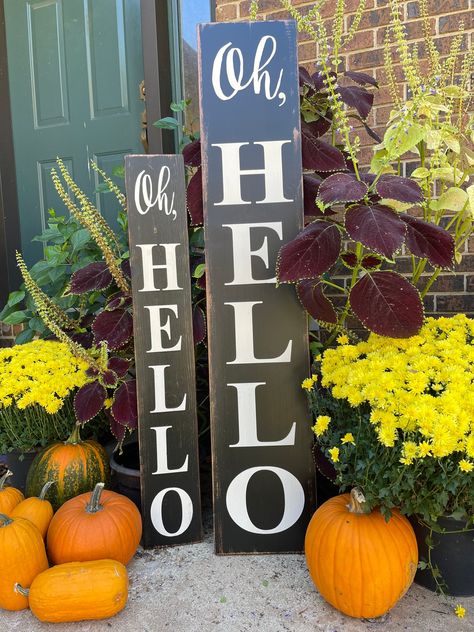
(258, 339)
(164, 349)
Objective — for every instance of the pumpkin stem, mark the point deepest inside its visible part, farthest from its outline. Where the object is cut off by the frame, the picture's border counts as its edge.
(357, 503)
(94, 504)
(23, 591)
(4, 478)
(45, 489)
(5, 520)
(75, 436)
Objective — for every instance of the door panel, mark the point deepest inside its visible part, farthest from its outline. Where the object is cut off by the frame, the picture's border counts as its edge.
(74, 71)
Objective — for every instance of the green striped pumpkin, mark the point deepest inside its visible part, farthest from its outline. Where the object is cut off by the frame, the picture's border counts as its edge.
(74, 465)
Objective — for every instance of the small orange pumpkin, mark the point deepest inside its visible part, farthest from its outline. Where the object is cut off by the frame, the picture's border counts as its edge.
(93, 526)
(9, 496)
(78, 591)
(22, 557)
(37, 510)
(361, 564)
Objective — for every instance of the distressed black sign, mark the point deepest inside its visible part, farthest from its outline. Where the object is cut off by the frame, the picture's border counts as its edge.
(258, 345)
(164, 349)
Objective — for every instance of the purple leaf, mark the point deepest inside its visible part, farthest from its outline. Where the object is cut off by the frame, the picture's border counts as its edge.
(88, 401)
(192, 154)
(341, 187)
(318, 79)
(109, 378)
(313, 299)
(349, 259)
(118, 365)
(95, 276)
(199, 324)
(304, 77)
(194, 198)
(368, 129)
(371, 262)
(84, 339)
(115, 327)
(124, 407)
(319, 155)
(358, 98)
(126, 269)
(361, 78)
(201, 282)
(116, 428)
(428, 241)
(377, 227)
(311, 182)
(387, 304)
(309, 254)
(400, 189)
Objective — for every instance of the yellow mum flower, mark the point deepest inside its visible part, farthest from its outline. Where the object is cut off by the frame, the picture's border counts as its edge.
(348, 438)
(424, 449)
(460, 611)
(343, 339)
(465, 466)
(321, 425)
(334, 454)
(307, 384)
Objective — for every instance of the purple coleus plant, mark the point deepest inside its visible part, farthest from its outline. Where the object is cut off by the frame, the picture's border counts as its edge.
(352, 221)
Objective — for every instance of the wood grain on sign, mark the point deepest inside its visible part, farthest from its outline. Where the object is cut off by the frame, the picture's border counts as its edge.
(258, 339)
(164, 349)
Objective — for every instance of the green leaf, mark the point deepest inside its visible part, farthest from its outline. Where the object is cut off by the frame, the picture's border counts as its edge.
(119, 171)
(421, 172)
(102, 187)
(16, 318)
(180, 106)
(167, 123)
(454, 199)
(16, 297)
(398, 141)
(80, 238)
(199, 271)
(24, 336)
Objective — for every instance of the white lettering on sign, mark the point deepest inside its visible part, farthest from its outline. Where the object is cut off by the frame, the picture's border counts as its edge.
(156, 513)
(169, 266)
(244, 346)
(160, 391)
(247, 418)
(229, 62)
(144, 193)
(272, 172)
(236, 500)
(156, 328)
(242, 252)
(162, 452)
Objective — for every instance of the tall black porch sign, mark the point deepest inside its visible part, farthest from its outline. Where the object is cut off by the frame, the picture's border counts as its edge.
(164, 349)
(258, 348)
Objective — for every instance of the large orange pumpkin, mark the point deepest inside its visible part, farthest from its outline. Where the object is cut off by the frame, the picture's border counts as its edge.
(78, 590)
(37, 510)
(22, 557)
(9, 496)
(75, 465)
(361, 564)
(93, 526)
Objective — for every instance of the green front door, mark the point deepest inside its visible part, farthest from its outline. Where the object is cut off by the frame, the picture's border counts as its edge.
(74, 69)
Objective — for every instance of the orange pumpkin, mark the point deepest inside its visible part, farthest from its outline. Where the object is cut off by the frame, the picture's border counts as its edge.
(9, 496)
(361, 564)
(93, 526)
(22, 557)
(79, 591)
(37, 510)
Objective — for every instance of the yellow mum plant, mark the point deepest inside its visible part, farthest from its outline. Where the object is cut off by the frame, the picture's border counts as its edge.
(402, 418)
(37, 380)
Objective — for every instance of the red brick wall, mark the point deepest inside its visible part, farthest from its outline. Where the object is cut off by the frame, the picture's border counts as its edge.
(452, 292)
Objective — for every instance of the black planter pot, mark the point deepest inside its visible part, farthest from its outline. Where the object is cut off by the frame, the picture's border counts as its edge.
(126, 472)
(453, 554)
(19, 463)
